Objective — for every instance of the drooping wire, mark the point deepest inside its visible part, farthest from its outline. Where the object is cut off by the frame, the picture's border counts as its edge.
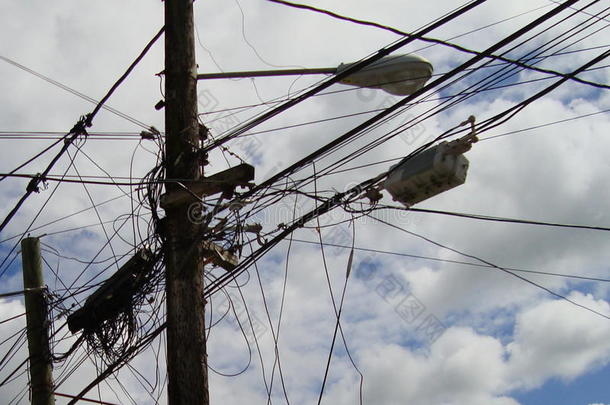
(490, 264)
(78, 130)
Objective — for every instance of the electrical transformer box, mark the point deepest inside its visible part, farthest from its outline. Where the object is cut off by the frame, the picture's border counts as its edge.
(426, 174)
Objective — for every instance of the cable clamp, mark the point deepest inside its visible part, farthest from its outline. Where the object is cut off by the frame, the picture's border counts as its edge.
(373, 194)
(253, 228)
(464, 144)
(151, 134)
(80, 128)
(84, 122)
(33, 185)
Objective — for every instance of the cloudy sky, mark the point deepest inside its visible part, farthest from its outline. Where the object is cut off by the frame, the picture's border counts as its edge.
(425, 318)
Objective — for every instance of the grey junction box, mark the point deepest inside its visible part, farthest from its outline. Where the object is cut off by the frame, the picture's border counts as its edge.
(426, 174)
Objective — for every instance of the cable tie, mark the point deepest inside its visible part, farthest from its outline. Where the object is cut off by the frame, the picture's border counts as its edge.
(33, 184)
(147, 135)
(80, 128)
(88, 121)
(253, 228)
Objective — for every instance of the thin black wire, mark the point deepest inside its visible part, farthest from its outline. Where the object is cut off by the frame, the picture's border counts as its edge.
(439, 42)
(63, 218)
(488, 263)
(97, 213)
(48, 199)
(74, 92)
(337, 312)
(543, 125)
(33, 158)
(437, 259)
(495, 218)
(409, 124)
(78, 130)
(338, 317)
(328, 82)
(268, 387)
(12, 318)
(20, 341)
(276, 335)
(243, 332)
(355, 131)
(579, 11)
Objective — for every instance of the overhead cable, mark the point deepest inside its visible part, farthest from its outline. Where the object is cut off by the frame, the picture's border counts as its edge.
(353, 132)
(336, 78)
(444, 43)
(490, 264)
(78, 130)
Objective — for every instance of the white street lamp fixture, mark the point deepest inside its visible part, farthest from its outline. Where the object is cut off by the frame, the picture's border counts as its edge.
(396, 74)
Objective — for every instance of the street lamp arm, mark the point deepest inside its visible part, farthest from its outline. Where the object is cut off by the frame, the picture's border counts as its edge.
(261, 73)
(396, 74)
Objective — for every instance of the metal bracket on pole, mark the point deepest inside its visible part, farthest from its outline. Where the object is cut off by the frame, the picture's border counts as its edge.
(225, 181)
(267, 73)
(219, 256)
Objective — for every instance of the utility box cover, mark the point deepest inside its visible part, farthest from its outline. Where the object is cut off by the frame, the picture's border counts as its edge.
(114, 295)
(426, 175)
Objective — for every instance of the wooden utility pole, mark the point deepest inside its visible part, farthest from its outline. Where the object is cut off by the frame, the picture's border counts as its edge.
(186, 345)
(41, 369)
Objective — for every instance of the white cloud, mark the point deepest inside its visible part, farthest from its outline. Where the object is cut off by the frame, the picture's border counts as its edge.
(555, 339)
(502, 335)
(552, 339)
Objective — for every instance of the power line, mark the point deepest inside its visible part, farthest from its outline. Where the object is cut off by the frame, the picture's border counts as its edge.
(337, 199)
(517, 131)
(78, 130)
(30, 160)
(322, 120)
(334, 79)
(382, 115)
(21, 292)
(64, 217)
(490, 264)
(441, 42)
(580, 11)
(81, 180)
(74, 181)
(95, 401)
(74, 92)
(497, 219)
(437, 259)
